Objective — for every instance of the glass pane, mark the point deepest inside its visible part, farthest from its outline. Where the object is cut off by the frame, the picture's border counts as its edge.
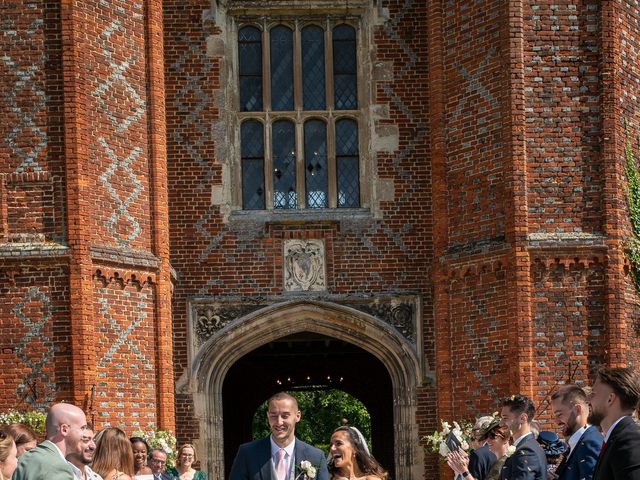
(250, 60)
(281, 41)
(284, 164)
(347, 163)
(252, 152)
(315, 154)
(345, 88)
(313, 93)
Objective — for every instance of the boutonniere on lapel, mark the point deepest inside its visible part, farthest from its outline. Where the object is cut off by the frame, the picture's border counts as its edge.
(307, 471)
(511, 449)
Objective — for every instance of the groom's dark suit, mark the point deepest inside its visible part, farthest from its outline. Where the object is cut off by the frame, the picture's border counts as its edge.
(581, 462)
(253, 460)
(620, 458)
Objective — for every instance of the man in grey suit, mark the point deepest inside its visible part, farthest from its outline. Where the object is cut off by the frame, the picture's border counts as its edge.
(157, 464)
(65, 426)
(280, 455)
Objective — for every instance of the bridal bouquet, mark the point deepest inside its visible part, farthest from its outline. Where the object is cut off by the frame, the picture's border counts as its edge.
(449, 438)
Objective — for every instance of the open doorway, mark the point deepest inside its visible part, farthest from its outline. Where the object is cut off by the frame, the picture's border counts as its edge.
(308, 362)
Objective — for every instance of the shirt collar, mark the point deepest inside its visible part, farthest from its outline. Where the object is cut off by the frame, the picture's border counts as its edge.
(519, 439)
(58, 449)
(613, 425)
(288, 449)
(575, 438)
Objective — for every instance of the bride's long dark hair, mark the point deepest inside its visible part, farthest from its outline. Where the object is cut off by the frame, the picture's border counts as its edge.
(367, 464)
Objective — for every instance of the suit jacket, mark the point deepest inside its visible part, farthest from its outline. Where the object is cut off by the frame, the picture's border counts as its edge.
(528, 462)
(620, 458)
(481, 461)
(253, 460)
(582, 461)
(43, 463)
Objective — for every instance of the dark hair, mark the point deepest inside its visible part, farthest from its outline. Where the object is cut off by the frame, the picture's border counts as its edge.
(497, 431)
(520, 404)
(366, 463)
(570, 395)
(624, 382)
(135, 440)
(21, 434)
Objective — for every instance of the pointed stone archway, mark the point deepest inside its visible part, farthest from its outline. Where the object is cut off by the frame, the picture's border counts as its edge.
(241, 337)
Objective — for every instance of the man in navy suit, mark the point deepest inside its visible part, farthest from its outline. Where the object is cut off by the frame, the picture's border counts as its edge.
(528, 462)
(571, 410)
(157, 463)
(614, 397)
(278, 456)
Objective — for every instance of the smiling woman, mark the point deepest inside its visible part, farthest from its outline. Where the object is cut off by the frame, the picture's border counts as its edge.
(349, 458)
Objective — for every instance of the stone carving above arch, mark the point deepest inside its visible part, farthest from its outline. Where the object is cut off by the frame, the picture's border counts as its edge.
(210, 315)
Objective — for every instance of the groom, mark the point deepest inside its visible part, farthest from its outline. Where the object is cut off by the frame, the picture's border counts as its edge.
(278, 456)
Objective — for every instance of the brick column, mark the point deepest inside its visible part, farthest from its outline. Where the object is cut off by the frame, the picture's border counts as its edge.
(158, 161)
(614, 197)
(78, 210)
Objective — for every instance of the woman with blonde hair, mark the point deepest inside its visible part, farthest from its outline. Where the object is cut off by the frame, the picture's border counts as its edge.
(183, 469)
(8, 459)
(113, 459)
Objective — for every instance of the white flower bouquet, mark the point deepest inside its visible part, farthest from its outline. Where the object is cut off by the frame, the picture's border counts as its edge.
(442, 442)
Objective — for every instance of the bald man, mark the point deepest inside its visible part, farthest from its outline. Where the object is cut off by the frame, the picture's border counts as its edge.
(65, 425)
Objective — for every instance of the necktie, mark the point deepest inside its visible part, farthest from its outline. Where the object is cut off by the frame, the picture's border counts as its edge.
(281, 468)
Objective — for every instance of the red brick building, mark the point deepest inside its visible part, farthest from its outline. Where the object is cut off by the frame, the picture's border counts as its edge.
(419, 202)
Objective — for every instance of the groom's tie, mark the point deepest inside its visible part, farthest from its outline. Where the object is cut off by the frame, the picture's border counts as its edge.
(281, 468)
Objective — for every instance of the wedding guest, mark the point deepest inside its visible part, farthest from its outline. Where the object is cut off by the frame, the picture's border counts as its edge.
(185, 459)
(157, 462)
(614, 397)
(497, 438)
(80, 462)
(65, 426)
(113, 459)
(553, 449)
(8, 458)
(140, 453)
(528, 461)
(571, 411)
(350, 457)
(481, 458)
(23, 436)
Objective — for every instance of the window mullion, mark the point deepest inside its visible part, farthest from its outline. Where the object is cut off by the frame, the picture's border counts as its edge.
(300, 170)
(268, 162)
(331, 162)
(266, 66)
(328, 65)
(297, 67)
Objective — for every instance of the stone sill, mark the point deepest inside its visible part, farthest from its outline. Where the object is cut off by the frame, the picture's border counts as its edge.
(300, 216)
(32, 249)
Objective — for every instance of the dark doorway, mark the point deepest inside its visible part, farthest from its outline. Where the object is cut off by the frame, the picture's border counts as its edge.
(307, 361)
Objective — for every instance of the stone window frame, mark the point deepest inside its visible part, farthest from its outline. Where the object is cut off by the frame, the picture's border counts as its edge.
(240, 13)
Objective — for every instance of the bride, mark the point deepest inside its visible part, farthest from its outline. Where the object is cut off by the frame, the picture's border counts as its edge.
(349, 457)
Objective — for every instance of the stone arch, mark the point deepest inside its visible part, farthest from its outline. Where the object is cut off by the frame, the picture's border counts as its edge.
(219, 353)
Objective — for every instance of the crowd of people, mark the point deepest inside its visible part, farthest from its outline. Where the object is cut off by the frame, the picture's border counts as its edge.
(601, 442)
(71, 451)
(601, 435)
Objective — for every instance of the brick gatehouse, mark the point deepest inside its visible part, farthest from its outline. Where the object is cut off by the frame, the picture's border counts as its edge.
(421, 202)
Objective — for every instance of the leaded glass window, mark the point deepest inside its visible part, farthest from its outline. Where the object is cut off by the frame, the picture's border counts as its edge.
(299, 113)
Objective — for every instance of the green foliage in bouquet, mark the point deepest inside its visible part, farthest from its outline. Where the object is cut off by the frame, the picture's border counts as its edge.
(32, 419)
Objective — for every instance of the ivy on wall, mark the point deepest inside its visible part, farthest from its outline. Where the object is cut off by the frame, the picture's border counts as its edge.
(633, 199)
